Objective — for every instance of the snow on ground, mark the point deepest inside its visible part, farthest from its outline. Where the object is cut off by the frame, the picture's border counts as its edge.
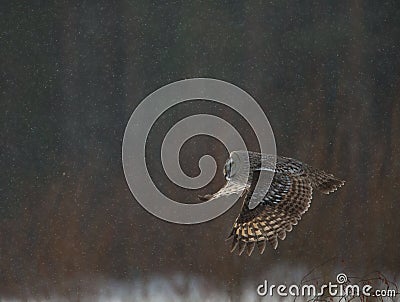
(180, 287)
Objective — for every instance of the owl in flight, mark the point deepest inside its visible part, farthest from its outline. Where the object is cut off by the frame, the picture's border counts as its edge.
(276, 211)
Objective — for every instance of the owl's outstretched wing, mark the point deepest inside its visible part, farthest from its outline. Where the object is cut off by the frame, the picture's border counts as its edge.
(287, 199)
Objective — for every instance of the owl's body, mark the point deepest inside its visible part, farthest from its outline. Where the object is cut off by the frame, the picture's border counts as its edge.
(281, 207)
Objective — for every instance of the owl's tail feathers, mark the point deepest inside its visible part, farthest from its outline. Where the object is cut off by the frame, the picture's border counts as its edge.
(324, 182)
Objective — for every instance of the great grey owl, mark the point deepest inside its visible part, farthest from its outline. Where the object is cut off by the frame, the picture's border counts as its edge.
(287, 199)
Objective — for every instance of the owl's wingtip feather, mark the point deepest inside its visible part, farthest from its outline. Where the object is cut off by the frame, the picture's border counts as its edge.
(234, 245)
(261, 246)
(242, 246)
(250, 248)
(230, 235)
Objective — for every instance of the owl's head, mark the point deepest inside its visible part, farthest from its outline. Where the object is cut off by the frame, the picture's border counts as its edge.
(228, 168)
(232, 166)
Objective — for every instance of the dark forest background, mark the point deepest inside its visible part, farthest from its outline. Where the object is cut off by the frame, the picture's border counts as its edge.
(327, 74)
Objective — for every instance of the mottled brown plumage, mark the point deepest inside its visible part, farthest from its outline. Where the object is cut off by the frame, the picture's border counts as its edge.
(287, 199)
